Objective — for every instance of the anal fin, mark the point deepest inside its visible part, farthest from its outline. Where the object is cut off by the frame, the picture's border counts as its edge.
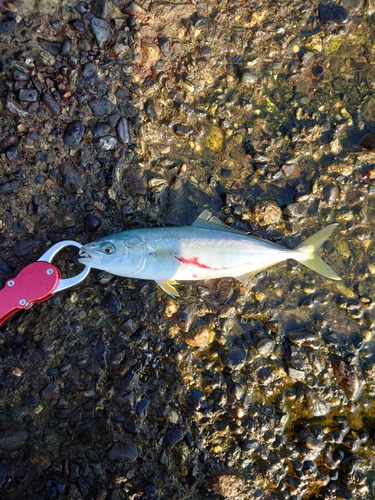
(168, 287)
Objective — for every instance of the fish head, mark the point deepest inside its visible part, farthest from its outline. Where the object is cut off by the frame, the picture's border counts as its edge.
(114, 254)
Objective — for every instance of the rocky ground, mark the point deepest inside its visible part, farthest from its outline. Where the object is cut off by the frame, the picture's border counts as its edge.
(121, 115)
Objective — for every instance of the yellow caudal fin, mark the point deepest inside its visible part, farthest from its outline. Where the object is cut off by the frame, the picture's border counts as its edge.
(309, 253)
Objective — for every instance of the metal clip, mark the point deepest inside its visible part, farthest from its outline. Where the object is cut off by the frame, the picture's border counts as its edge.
(50, 254)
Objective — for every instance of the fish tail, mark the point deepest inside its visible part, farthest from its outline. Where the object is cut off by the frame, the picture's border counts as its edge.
(309, 250)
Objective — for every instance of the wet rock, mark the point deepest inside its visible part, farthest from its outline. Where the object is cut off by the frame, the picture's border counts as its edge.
(74, 133)
(99, 8)
(54, 489)
(72, 180)
(368, 142)
(4, 266)
(150, 110)
(23, 247)
(9, 187)
(316, 406)
(92, 223)
(174, 436)
(310, 441)
(248, 76)
(28, 95)
(105, 143)
(121, 451)
(234, 358)
(100, 107)
(78, 25)
(130, 426)
(51, 104)
(7, 26)
(201, 337)
(52, 48)
(12, 440)
(348, 378)
(5, 475)
(142, 407)
(318, 71)
(228, 485)
(266, 212)
(333, 15)
(101, 30)
(12, 153)
(265, 346)
(122, 131)
(164, 45)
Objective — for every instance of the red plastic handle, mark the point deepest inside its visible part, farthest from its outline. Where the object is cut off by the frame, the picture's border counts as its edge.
(35, 283)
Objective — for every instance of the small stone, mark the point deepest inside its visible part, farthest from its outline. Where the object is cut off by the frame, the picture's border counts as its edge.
(333, 15)
(11, 441)
(134, 9)
(121, 451)
(51, 104)
(308, 440)
(65, 48)
(28, 95)
(78, 25)
(318, 71)
(234, 358)
(368, 142)
(142, 407)
(99, 8)
(201, 337)
(74, 133)
(92, 223)
(105, 143)
(7, 26)
(228, 485)
(266, 212)
(122, 131)
(52, 48)
(101, 30)
(23, 247)
(265, 346)
(9, 187)
(174, 436)
(347, 376)
(100, 107)
(183, 130)
(5, 475)
(248, 76)
(12, 153)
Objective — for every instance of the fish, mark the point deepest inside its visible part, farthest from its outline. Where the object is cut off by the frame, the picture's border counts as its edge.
(206, 249)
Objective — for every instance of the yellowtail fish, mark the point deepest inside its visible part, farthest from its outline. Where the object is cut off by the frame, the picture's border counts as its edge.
(205, 250)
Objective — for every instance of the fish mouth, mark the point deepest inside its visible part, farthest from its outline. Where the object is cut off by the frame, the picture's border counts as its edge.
(84, 255)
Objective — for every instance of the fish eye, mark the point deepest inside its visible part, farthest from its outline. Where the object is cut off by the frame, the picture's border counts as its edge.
(108, 248)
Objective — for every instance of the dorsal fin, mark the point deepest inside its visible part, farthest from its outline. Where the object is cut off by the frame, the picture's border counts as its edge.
(208, 221)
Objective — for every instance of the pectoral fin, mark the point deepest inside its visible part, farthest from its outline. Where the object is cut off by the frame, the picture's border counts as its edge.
(168, 287)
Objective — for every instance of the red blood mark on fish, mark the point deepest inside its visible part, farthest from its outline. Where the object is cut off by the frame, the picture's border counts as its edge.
(194, 262)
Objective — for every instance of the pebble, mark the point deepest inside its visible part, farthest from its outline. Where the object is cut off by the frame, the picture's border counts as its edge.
(28, 95)
(4, 266)
(92, 223)
(52, 48)
(9, 187)
(228, 485)
(202, 336)
(174, 436)
(12, 153)
(333, 15)
(266, 212)
(78, 25)
(234, 358)
(11, 441)
(121, 451)
(99, 8)
(101, 30)
(347, 376)
(5, 475)
(122, 131)
(51, 104)
(142, 407)
(105, 143)
(318, 71)
(7, 26)
(100, 107)
(74, 133)
(368, 142)
(248, 76)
